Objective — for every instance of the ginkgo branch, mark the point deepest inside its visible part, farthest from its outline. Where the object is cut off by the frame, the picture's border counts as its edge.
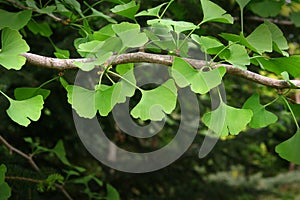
(138, 57)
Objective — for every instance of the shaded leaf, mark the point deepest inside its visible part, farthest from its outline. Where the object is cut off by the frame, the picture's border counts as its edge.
(23, 93)
(289, 149)
(97, 13)
(237, 56)
(208, 44)
(157, 102)
(295, 17)
(10, 55)
(178, 26)
(5, 190)
(40, 28)
(273, 7)
(261, 117)
(261, 39)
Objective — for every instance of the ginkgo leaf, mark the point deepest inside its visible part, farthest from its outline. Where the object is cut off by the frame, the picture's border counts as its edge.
(261, 39)
(242, 3)
(178, 26)
(26, 93)
(127, 10)
(157, 102)
(151, 12)
(82, 100)
(25, 110)
(289, 149)
(261, 117)
(201, 82)
(235, 119)
(214, 13)
(10, 55)
(87, 102)
(130, 34)
(14, 21)
(5, 190)
(208, 44)
(237, 55)
(88, 66)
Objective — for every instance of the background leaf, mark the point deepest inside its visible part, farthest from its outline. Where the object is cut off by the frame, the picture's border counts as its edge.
(242, 3)
(9, 54)
(5, 190)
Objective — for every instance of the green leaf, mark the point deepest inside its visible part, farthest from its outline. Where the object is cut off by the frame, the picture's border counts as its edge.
(130, 34)
(104, 33)
(279, 41)
(261, 39)
(235, 119)
(88, 66)
(157, 102)
(40, 28)
(25, 110)
(124, 68)
(61, 53)
(151, 12)
(86, 102)
(237, 56)
(126, 10)
(201, 82)
(75, 5)
(261, 117)
(178, 26)
(242, 3)
(295, 17)
(208, 44)
(97, 13)
(82, 101)
(112, 193)
(5, 190)
(14, 21)
(279, 65)
(10, 55)
(214, 13)
(273, 7)
(23, 93)
(289, 149)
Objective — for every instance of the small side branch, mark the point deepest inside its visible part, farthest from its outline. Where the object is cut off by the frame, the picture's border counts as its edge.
(138, 57)
(17, 151)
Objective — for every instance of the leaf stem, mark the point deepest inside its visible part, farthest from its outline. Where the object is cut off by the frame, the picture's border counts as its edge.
(273, 101)
(242, 21)
(5, 95)
(49, 81)
(290, 109)
(134, 85)
(164, 11)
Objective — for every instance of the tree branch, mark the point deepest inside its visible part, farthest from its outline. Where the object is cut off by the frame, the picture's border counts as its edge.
(13, 149)
(64, 64)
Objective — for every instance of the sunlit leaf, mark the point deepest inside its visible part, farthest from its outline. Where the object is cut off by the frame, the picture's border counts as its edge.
(14, 21)
(209, 45)
(261, 117)
(289, 149)
(261, 39)
(157, 102)
(25, 110)
(279, 41)
(199, 81)
(178, 26)
(235, 119)
(12, 46)
(237, 56)
(88, 66)
(214, 13)
(130, 34)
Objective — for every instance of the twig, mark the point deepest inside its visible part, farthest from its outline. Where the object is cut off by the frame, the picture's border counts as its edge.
(60, 187)
(19, 5)
(13, 149)
(63, 64)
